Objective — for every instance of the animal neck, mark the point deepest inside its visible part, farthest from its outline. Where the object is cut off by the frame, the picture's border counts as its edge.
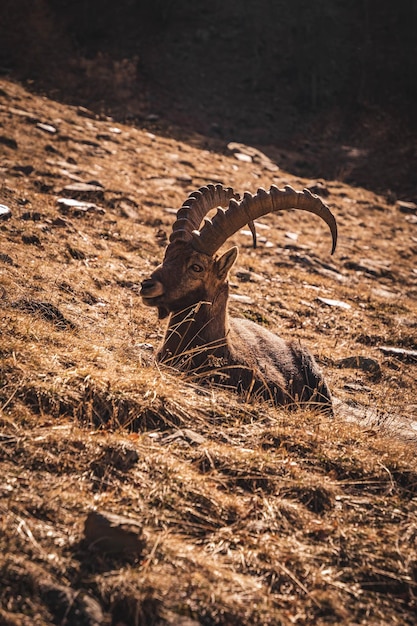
(197, 333)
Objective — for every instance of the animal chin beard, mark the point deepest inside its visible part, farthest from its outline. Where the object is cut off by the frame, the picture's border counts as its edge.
(162, 312)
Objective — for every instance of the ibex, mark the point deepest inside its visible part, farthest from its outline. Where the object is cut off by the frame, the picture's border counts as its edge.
(191, 287)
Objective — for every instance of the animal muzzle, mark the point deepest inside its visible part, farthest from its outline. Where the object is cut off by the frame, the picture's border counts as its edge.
(151, 293)
(151, 289)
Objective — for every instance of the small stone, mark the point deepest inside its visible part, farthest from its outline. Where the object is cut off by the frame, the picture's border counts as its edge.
(292, 236)
(84, 191)
(245, 276)
(364, 363)
(336, 303)
(406, 207)
(400, 353)
(184, 178)
(47, 128)
(5, 212)
(186, 434)
(355, 387)
(319, 189)
(146, 346)
(243, 157)
(241, 298)
(114, 534)
(128, 210)
(84, 112)
(254, 155)
(384, 293)
(78, 208)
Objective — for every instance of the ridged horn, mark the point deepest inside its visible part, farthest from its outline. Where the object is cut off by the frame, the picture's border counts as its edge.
(196, 207)
(227, 222)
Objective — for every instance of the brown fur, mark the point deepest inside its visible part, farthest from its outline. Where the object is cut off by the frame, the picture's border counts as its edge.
(192, 289)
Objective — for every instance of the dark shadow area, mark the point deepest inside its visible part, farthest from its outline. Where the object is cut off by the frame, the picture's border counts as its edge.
(326, 89)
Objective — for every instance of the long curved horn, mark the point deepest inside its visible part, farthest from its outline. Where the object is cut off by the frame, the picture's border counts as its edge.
(227, 222)
(196, 207)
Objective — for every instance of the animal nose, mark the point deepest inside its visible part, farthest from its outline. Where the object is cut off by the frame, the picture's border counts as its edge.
(151, 288)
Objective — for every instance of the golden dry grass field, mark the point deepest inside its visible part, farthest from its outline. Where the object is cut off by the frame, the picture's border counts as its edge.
(237, 513)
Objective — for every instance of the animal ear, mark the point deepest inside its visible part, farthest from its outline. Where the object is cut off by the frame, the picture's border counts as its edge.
(226, 261)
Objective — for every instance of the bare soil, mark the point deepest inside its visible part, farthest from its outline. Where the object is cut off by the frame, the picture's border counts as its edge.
(247, 514)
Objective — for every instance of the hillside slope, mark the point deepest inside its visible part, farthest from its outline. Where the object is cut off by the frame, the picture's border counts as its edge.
(238, 513)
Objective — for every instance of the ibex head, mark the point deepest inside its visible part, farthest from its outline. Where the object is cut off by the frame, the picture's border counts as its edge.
(190, 272)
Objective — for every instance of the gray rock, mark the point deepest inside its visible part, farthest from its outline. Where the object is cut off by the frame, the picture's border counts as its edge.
(114, 534)
(364, 363)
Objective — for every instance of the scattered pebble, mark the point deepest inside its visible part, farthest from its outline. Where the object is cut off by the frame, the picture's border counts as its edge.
(384, 293)
(83, 191)
(355, 387)
(84, 112)
(185, 434)
(250, 154)
(241, 298)
(5, 212)
(319, 189)
(364, 363)
(246, 276)
(47, 128)
(146, 346)
(406, 207)
(292, 236)
(243, 157)
(78, 207)
(127, 210)
(400, 353)
(185, 178)
(114, 534)
(336, 303)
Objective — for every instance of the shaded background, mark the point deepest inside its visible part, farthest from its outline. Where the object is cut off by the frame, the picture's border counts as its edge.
(326, 88)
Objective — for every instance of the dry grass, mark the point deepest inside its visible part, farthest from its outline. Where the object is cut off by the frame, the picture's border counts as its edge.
(251, 515)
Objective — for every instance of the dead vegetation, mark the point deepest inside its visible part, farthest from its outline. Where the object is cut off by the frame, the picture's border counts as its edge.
(248, 515)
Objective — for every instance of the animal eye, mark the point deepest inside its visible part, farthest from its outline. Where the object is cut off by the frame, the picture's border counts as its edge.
(197, 268)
